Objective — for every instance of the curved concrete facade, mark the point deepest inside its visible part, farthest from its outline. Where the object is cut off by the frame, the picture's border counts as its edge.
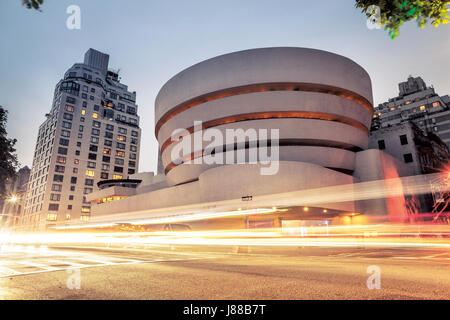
(320, 102)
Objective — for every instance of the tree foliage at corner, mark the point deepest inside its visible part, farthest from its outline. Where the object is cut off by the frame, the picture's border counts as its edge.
(396, 12)
(8, 158)
(33, 4)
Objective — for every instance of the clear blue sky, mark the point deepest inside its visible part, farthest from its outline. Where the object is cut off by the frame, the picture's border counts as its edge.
(151, 40)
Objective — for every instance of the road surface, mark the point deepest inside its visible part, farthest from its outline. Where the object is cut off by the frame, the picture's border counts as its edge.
(164, 272)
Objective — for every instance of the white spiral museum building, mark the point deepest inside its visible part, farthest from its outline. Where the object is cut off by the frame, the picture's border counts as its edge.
(321, 103)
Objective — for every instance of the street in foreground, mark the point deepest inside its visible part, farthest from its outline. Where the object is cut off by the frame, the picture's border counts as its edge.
(165, 272)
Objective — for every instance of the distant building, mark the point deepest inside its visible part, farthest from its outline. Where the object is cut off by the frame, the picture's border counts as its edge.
(422, 153)
(90, 134)
(16, 188)
(417, 103)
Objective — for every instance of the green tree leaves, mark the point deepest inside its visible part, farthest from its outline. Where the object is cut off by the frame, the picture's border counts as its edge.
(8, 158)
(33, 4)
(396, 12)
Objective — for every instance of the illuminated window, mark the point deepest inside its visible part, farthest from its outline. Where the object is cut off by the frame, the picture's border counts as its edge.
(392, 109)
(121, 138)
(69, 108)
(85, 209)
(84, 218)
(117, 176)
(61, 159)
(76, 161)
(67, 216)
(90, 173)
(120, 154)
(83, 112)
(106, 151)
(436, 104)
(95, 115)
(422, 108)
(51, 217)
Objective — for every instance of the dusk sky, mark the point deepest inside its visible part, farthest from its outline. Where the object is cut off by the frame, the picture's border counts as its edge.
(150, 41)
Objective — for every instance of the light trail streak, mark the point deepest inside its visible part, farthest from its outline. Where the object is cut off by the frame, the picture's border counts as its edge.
(315, 197)
(393, 236)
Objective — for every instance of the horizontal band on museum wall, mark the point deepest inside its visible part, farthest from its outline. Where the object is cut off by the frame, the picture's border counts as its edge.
(262, 87)
(272, 115)
(257, 144)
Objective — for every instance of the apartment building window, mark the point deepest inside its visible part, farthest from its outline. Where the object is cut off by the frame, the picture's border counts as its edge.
(77, 152)
(134, 133)
(79, 144)
(106, 151)
(104, 175)
(84, 95)
(131, 110)
(89, 182)
(133, 141)
(117, 176)
(51, 217)
(120, 145)
(94, 140)
(75, 170)
(96, 108)
(87, 190)
(53, 207)
(122, 130)
(64, 142)
(61, 159)
(81, 128)
(106, 159)
(80, 136)
(68, 116)
(55, 196)
(95, 132)
(91, 164)
(58, 178)
(120, 154)
(56, 187)
(120, 162)
(92, 156)
(108, 143)
(133, 148)
(90, 173)
(76, 161)
(71, 100)
(403, 139)
(72, 188)
(85, 209)
(59, 169)
(110, 127)
(105, 167)
(93, 148)
(121, 138)
(131, 171)
(67, 125)
(108, 135)
(73, 180)
(408, 158)
(95, 115)
(96, 124)
(65, 133)
(69, 207)
(132, 163)
(83, 112)
(118, 169)
(133, 156)
(71, 197)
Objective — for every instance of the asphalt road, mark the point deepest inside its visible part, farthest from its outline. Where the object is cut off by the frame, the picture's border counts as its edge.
(74, 272)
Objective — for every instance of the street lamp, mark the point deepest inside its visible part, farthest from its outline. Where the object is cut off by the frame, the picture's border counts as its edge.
(13, 199)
